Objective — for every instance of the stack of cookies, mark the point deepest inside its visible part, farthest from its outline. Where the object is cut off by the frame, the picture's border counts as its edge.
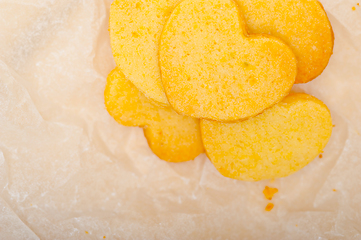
(215, 76)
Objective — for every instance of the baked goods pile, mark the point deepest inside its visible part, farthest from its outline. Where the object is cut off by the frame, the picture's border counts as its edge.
(216, 76)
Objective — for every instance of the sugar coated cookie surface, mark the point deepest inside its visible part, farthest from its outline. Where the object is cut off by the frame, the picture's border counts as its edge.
(135, 29)
(171, 137)
(302, 24)
(274, 144)
(212, 69)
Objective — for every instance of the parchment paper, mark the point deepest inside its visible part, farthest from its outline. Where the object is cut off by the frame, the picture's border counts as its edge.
(69, 171)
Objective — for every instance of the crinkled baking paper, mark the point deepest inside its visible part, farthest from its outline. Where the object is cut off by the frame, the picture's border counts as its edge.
(69, 171)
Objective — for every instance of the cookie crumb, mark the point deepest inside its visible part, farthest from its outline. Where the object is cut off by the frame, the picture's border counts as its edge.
(269, 192)
(334, 190)
(320, 156)
(269, 207)
(86, 232)
(334, 125)
(296, 225)
(353, 8)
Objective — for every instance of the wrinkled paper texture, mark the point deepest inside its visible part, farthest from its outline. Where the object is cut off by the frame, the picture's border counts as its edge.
(69, 171)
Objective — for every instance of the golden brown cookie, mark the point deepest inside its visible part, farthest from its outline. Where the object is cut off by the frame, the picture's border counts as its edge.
(274, 144)
(172, 137)
(212, 69)
(302, 24)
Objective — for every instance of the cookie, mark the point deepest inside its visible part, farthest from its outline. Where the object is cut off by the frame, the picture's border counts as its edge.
(172, 137)
(212, 69)
(302, 24)
(126, 104)
(135, 29)
(274, 144)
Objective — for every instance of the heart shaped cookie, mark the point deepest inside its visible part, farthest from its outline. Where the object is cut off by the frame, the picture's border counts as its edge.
(278, 142)
(302, 24)
(135, 29)
(172, 137)
(212, 69)
(136, 26)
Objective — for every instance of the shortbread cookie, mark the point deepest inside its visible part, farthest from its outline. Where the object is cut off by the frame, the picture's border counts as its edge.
(174, 138)
(274, 144)
(302, 24)
(126, 104)
(212, 69)
(171, 137)
(135, 29)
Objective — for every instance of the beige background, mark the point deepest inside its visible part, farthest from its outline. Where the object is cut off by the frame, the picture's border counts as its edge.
(67, 168)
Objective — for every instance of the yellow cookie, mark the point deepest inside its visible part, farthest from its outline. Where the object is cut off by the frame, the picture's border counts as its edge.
(172, 137)
(302, 24)
(274, 144)
(212, 69)
(135, 29)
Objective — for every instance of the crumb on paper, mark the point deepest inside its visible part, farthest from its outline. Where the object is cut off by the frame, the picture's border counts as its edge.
(296, 225)
(353, 8)
(104, 237)
(358, 4)
(269, 207)
(334, 190)
(320, 156)
(333, 125)
(86, 232)
(269, 192)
